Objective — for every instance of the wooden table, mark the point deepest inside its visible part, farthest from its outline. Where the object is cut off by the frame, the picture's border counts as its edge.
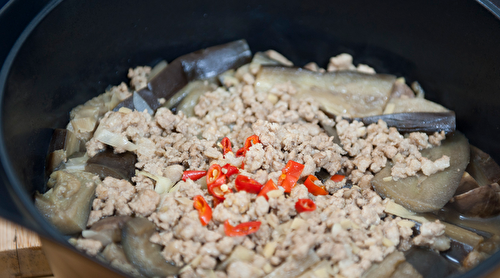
(21, 255)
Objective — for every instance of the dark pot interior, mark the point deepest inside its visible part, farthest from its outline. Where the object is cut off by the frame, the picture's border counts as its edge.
(74, 49)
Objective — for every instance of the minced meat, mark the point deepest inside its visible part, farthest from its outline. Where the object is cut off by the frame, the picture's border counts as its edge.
(349, 228)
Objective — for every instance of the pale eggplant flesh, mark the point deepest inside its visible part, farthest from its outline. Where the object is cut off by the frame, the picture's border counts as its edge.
(343, 92)
(401, 90)
(427, 193)
(142, 253)
(409, 105)
(67, 204)
(115, 256)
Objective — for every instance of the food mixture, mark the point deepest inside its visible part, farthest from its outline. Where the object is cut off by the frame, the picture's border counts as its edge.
(266, 170)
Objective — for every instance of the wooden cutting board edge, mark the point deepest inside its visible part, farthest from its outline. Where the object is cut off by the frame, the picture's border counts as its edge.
(21, 254)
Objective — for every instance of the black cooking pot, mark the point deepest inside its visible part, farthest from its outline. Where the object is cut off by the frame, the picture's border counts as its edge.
(58, 54)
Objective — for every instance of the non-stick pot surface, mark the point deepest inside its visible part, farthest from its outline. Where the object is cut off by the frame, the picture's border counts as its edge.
(74, 49)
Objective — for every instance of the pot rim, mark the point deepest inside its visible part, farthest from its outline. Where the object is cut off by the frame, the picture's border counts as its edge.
(25, 203)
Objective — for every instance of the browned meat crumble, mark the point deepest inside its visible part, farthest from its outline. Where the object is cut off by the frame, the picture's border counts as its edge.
(349, 230)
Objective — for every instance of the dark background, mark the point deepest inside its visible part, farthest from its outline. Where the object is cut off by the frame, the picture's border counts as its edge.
(2, 2)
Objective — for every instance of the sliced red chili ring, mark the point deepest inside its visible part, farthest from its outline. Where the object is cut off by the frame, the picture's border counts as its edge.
(215, 190)
(290, 175)
(241, 152)
(247, 184)
(313, 188)
(193, 175)
(205, 211)
(226, 145)
(214, 173)
(304, 205)
(250, 141)
(242, 229)
(337, 178)
(269, 186)
(230, 170)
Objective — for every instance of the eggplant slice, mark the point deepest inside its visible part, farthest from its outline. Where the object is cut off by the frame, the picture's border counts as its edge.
(110, 164)
(63, 144)
(428, 122)
(142, 253)
(466, 183)
(107, 230)
(409, 105)
(483, 168)
(483, 201)
(202, 64)
(357, 94)
(430, 264)
(67, 204)
(428, 193)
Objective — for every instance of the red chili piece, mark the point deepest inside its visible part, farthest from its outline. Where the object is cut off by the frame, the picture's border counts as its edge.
(201, 205)
(290, 175)
(215, 178)
(214, 174)
(215, 189)
(269, 186)
(313, 188)
(304, 205)
(193, 175)
(242, 229)
(226, 145)
(247, 184)
(252, 140)
(337, 178)
(241, 152)
(230, 170)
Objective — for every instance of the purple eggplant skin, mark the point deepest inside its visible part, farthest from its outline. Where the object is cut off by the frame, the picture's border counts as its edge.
(483, 201)
(430, 264)
(483, 168)
(108, 163)
(201, 64)
(62, 145)
(142, 253)
(212, 61)
(416, 121)
(58, 139)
